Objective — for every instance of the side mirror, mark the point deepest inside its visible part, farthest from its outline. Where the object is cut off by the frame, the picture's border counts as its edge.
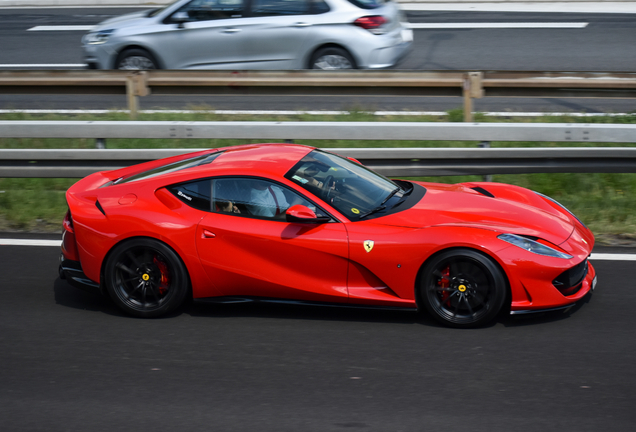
(354, 160)
(180, 17)
(303, 214)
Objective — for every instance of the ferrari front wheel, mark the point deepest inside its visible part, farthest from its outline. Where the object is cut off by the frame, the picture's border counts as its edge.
(462, 288)
(145, 278)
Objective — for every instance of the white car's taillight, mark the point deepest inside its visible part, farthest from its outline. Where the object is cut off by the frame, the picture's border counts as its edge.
(373, 23)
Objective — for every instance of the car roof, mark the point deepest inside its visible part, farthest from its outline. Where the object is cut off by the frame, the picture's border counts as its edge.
(271, 160)
(274, 158)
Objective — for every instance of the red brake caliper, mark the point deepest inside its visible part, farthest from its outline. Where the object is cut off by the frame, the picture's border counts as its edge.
(444, 282)
(164, 283)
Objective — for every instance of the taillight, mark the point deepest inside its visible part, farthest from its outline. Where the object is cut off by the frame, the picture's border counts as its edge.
(68, 222)
(372, 23)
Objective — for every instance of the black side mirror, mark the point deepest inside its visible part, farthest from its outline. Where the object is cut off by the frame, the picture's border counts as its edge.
(180, 18)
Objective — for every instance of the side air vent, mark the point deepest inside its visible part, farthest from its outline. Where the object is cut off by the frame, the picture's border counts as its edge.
(483, 191)
(99, 207)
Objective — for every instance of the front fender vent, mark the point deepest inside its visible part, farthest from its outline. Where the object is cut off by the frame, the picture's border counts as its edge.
(99, 207)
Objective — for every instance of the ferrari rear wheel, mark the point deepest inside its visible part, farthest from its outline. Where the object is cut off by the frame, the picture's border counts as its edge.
(145, 278)
(462, 288)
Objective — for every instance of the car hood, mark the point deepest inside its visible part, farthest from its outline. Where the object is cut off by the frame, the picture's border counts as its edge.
(127, 20)
(493, 206)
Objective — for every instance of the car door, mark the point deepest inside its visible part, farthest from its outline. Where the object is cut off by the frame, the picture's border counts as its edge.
(249, 249)
(277, 33)
(204, 34)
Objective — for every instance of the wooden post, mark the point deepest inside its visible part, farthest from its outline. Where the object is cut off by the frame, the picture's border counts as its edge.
(133, 102)
(472, 89)
(136, 86)
(468, 101)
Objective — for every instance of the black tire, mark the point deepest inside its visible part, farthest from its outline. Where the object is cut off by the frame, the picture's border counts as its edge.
(136, 59)
(332, 58)
(145, 278)
(462, 288)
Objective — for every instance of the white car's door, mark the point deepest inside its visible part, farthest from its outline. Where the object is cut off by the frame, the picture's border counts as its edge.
(204, 34)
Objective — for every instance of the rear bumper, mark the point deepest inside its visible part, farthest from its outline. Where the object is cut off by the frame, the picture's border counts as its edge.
(72, 272)
(389, 56)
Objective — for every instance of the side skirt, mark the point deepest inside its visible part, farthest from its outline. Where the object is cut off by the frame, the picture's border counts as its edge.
(230, 300)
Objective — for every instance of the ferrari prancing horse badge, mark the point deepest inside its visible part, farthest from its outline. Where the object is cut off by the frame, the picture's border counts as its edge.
(368, 245)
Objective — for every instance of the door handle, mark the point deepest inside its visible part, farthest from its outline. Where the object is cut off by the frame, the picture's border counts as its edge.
(231, 30)
(208, 234)
(302, 24)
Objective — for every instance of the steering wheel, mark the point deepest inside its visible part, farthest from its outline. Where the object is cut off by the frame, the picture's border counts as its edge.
(326, 187)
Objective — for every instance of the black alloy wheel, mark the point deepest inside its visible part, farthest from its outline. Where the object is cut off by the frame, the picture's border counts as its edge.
(462, 288)
(146, 278)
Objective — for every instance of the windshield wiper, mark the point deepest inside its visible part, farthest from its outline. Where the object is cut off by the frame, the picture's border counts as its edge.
(393, 192)
(370, 212)
(381, 206)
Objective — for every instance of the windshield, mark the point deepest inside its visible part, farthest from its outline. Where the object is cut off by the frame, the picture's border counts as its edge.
(355, 191)
(155, 12)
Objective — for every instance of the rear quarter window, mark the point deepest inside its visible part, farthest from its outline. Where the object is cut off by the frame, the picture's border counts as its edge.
(196, 194)
(368, 4)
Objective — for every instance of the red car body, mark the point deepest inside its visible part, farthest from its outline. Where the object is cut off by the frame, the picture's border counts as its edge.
(230, 255)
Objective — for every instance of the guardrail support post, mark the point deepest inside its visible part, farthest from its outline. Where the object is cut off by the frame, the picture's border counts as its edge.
(472, 89)
(136, 86)
(100, 143)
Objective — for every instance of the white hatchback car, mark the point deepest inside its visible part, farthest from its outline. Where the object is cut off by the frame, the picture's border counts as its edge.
(253, 34)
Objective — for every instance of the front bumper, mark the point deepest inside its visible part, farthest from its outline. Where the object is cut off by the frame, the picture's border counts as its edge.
(556, 301)
(99, 56)
(72, 272)
(560, 308)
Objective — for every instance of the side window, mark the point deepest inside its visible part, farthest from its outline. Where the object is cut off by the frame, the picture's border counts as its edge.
(206, 10)
(196, 194)
(280, 7)
(319, 7)
(258, 198)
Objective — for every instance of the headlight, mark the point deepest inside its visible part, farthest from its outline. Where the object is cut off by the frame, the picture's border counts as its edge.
(560, 205)
(98, 37)
(532, 246)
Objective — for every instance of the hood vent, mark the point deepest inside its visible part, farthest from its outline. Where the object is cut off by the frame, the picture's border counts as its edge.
(482, 191)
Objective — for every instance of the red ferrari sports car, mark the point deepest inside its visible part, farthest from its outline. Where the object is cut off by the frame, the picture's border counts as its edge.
(281, 222)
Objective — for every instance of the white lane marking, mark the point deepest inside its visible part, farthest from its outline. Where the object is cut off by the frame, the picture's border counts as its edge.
(29, 242)
(58, 243)
(38, 65)
(62, 28)
(497, 25)
(507, 6)
(283, 112)
(511, 6)
(613, 257)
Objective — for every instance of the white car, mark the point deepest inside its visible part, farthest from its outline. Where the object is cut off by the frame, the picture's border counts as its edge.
(253, 34)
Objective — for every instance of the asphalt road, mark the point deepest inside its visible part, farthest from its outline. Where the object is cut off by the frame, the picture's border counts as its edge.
(70, 361)
(605, 44)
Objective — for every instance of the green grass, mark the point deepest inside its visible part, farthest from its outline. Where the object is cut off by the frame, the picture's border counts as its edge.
(605, 202)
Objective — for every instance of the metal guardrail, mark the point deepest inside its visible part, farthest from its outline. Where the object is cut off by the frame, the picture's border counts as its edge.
(395, 162)
(262, 130)
(468, 84)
